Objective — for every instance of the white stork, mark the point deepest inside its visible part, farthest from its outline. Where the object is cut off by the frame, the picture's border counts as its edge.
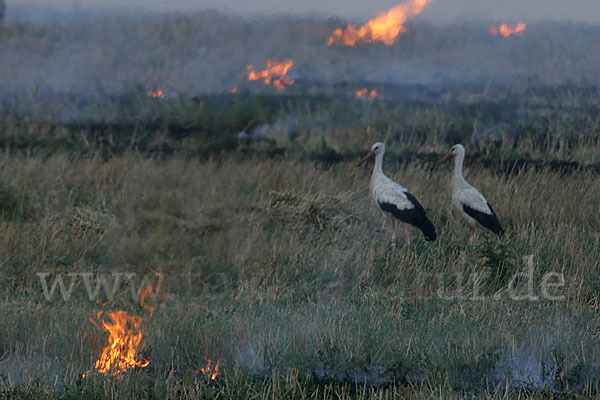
(394, 201)
(467, 201)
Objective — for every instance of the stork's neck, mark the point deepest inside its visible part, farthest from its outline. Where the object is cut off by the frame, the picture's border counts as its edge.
(458, 168)
(377, 170)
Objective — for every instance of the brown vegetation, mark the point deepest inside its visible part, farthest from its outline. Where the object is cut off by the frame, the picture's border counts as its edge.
(284, 266)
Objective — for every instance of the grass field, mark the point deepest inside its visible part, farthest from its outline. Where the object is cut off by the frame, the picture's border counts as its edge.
(274, 262)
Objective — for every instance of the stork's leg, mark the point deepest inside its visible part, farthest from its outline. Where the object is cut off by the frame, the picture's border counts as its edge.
(393, 231)
(405, 232)
(473, 236)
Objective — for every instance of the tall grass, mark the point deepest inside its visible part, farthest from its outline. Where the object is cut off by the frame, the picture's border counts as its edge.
(282, 270)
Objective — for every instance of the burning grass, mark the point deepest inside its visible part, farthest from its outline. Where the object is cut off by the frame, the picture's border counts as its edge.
(159, 94)
(385, 27)
(125, 337)
(217, 47)
(505, 30)
(121, 352)
(275, 73)
(364, 93)
(211, 372)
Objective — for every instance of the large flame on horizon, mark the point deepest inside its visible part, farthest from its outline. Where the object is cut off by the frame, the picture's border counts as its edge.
(275, 73)
(385, 27)
(506, 31)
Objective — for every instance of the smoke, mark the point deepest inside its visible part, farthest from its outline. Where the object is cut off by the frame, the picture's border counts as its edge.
(546, 357)
(208, 52)
(443, 11)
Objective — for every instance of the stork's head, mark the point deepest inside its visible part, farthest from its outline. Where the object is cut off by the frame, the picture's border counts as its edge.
(377, 148)
(454, 151)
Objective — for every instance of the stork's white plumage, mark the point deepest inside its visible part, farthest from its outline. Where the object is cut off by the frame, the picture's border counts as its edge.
(395, 201)
(467, 201)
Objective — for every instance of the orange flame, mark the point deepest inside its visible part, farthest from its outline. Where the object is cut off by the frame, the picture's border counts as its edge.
(159, 94)
(506, 31)
(210, 373)
(365, 94)
(234, 90)
(148, 295)
(124, 341)
(274, 73)
(385, 27)
(125, 335)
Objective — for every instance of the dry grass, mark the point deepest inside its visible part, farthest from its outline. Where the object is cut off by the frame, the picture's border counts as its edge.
(284, 266)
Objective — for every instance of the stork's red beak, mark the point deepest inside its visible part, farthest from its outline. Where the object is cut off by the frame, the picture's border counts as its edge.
(365, 158)
(447, 156)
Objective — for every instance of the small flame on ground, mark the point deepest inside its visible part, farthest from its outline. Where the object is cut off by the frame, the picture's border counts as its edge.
(125, 335)
(506, 31)
(275, 73)
(385, 27)
(148, 295)
(159, 94)
(210, 373)
(234, 90)
(124, 340)
(365, 94)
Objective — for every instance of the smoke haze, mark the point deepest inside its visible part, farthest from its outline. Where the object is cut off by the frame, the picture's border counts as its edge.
(79, 51)
(442, 10)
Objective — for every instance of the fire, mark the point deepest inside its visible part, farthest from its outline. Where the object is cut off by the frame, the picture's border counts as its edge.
(125, 335)
(385, 27)
(211, 373)
(159, 94)
(124, 338)
(144, 294)
(275, 73)
(506, 31)
(365, 94)
(234, 90)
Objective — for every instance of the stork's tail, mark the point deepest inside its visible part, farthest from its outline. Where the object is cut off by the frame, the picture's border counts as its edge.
(415, 216)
